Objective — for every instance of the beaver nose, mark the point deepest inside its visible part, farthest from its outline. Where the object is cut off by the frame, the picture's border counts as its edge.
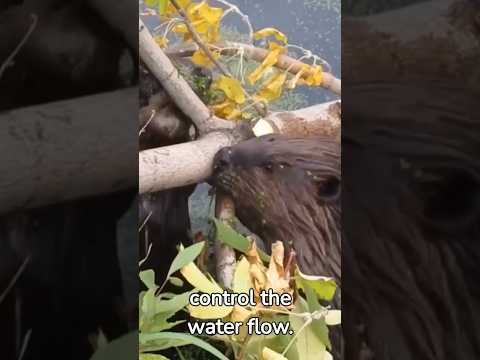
(222, 159)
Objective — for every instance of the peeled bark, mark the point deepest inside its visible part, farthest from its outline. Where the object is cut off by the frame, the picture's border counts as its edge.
(69, 149)
(189, 163)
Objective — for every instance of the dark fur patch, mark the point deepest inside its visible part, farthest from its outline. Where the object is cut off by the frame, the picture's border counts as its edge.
(288, 189)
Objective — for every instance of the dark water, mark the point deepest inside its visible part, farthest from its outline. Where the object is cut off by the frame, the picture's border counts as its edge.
(311, 24)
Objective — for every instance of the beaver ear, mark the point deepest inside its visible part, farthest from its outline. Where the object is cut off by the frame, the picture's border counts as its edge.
(329, 188)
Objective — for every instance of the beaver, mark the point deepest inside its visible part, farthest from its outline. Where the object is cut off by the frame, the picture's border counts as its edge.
(410, 221)
(288, 189)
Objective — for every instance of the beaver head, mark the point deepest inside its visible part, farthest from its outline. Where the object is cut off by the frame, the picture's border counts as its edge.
(288, 189)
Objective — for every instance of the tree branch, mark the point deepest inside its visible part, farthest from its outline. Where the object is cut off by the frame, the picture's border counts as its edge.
(179, 165)
(189, 163)
(178, 89)
(321, 119)
(224, 254)
(9, 59)
(285, 62)
(67, 150)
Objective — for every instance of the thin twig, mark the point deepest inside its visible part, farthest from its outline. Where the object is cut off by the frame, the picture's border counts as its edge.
(14, 53)
(198, 40)
(25, 342)
(152, 115)
(145, 221)
(15, 278)
(262, 110)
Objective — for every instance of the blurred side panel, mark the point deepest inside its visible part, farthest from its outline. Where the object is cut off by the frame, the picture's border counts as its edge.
(68, 158)
(411, 179)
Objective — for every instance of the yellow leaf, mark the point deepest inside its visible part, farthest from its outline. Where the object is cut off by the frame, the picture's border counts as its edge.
(241, 278)
(269, 354)
(314, 77)
(201, 59)
(231, 87)
(270, 60)
(240, 314)
(258, 277)
(209, 312)
(268, 32)
(180, 28)
(211, 15)
(277, 278)
(235, 114)
(197, 279)
(161, 41)
(293, 82)
(224, 109)
(171, 10)
(273, 87)
(204, 19)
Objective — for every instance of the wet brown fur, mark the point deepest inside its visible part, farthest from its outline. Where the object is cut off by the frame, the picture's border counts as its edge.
(288, 189)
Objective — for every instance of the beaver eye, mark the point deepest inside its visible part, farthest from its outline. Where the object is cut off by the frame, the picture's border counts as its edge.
(268, 166)
(329, 190)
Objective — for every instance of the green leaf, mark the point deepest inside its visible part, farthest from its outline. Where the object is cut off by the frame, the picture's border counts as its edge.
(148, 303)
(175, 281)
(181, 340)
(162, 6)
(173, 304)
(324, 287)
(152, 357)
(227, 235)
(185, 256)
(148, 278)
(308, 344)
(123, 348)
(180, 355)
(157, 311)
(319, 326)
(151, 3)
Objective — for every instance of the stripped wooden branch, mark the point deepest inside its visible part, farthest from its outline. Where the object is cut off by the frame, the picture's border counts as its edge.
(189, 163)
(173, 83)
(179, 165)
(224, 254)
(285, 62)
(68, 149)
(320, 119)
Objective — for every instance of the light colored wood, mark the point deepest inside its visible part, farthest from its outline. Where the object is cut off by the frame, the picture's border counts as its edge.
(69, 149)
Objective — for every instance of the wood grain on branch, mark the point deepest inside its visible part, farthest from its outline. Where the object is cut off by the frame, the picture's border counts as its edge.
(320, 119)
(287, 63)
(224, 254)
(189, 163)
(179, 165)
(174, 84)
(67, 150)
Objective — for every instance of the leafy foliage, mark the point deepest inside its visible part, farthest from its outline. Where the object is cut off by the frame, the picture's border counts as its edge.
(235, 97)
(253, 271)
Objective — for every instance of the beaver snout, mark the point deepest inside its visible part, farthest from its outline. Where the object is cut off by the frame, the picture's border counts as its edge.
(222, 160)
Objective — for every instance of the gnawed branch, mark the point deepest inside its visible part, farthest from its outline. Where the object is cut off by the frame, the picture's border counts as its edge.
(285, 62)
(224, 254)
(189, 163)
(178, 165)
(67, 150)
(178, 89)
